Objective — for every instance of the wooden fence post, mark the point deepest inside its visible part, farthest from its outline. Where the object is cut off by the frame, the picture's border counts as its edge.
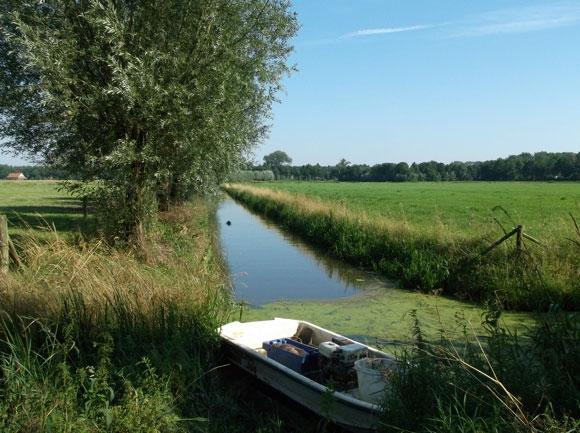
(500, 241)
(519, 238)
(518, 231)
(14, 255)
(4, 245)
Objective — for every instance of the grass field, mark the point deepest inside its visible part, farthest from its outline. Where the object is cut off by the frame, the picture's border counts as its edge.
(98, 339)
(41, 206)
(500, 382)
(460, 207)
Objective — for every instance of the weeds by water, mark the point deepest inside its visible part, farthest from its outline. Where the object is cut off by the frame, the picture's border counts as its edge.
(430, 260)
(501, 384)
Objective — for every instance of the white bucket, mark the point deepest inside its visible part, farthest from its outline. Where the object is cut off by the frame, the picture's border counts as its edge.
(372, 375)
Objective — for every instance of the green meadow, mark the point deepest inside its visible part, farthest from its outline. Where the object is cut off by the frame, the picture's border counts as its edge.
(543, 208)
(96, 338)
(43, 207)
(479, 368)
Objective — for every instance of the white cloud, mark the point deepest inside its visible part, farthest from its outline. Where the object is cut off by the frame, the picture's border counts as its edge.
(502, 21)
(521, 20)
(382, 31)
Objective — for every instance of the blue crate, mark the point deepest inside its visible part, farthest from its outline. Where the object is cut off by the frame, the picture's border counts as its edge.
(300, 364)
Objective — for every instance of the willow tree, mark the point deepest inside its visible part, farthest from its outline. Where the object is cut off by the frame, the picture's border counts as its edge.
(134, 96)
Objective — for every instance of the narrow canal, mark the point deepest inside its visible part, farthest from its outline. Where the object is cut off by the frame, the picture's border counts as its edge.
(268, 265)
(280, 276)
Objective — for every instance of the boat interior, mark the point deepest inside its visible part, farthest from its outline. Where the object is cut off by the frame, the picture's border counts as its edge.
(311, 351)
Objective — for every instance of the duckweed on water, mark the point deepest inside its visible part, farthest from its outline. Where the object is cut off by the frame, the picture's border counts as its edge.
(383, 315)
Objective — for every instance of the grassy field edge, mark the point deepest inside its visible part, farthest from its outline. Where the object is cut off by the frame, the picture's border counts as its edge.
(430, 261)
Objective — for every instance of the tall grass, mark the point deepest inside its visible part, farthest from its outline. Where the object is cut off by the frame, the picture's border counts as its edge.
(96, 339)
(423, 258)
(501, 384)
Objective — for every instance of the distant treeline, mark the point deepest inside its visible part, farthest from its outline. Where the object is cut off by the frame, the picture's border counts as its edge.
(33, 172)
(526, 166)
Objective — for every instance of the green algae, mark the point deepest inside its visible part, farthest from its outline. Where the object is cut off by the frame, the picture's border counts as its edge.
(383, 316)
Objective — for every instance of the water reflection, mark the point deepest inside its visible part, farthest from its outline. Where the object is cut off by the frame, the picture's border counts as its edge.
(268, 264)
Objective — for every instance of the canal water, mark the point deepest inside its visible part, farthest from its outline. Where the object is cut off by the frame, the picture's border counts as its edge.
(268, 265)
(280, 276)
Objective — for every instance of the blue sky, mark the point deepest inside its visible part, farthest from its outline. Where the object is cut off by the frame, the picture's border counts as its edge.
(416, 80)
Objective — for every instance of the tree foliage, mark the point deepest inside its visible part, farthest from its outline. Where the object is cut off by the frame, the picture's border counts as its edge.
(279, 162)
(252, 175)
(277, 159)
(153, 98)
(541, 166)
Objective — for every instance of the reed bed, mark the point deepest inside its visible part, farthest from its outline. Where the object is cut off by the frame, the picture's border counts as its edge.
(430, 259)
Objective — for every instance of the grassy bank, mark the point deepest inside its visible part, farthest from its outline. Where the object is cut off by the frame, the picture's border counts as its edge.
(427, 258)
(95, 339)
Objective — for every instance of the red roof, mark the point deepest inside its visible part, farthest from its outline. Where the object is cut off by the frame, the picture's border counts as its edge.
(15, 175)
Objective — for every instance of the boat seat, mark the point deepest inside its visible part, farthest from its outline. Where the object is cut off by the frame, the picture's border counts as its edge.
(253, 334)
(311, 336)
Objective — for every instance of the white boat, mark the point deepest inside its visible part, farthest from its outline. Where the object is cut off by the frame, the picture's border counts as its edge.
(244, 343)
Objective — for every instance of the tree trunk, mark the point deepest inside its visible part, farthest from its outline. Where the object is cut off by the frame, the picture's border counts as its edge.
(137, 212)
(163, 196)
(174, 191)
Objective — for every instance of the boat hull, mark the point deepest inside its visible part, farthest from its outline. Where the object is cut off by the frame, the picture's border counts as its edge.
(311, 395)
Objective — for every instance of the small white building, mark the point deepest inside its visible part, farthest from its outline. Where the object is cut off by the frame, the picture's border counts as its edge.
(17, 175)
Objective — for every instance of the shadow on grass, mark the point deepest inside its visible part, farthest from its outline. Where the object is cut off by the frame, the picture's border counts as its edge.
(68, 199)
(59, 218)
